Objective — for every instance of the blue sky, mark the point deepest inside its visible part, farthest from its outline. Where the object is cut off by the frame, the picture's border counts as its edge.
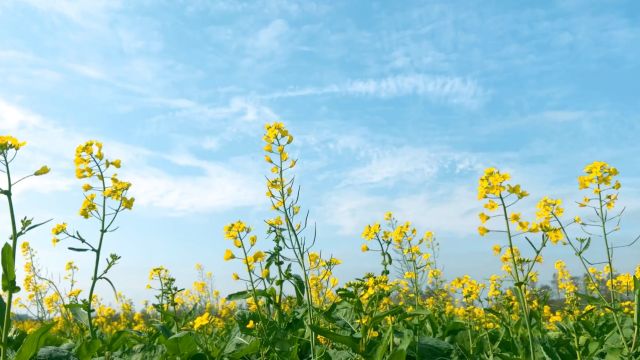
(395, 106)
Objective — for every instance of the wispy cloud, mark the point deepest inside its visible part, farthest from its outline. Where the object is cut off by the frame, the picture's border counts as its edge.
(413, 164)
(454, 90)
(269, 38)
(88, 13)
(211, 186)
(221, 122)
(452, 210)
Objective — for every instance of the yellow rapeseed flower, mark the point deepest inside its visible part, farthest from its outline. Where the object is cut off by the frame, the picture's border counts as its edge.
(228, 255)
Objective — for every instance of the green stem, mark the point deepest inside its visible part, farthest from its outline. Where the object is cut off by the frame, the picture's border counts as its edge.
(14, 242)
(519, 284)
(603, 221)
(577, 345)
(255, 295)
(298, 251)
(94, 279)
(470, 337)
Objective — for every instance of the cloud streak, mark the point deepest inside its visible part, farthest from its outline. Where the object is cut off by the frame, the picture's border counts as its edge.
(412, 164)
(455, 90)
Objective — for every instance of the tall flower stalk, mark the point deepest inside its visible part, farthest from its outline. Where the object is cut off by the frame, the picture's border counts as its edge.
(9, 147)
(493, 186)
(599, 177)
(105, 197)
(280, 190)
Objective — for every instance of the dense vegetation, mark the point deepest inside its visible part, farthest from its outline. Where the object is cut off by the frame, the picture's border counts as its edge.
(294, 308)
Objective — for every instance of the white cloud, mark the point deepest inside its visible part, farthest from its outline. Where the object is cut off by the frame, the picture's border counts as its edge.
(238, 109)
(88, 13)
(220, 123)
(215, 186)
(451, 210)
(269, 39)
(388, 164)
(454, 90)
(218, 188)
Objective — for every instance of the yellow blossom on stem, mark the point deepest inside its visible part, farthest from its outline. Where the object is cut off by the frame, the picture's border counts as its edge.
(43, 170)
(483, 217)
(228, 255)
(491, 183)
(9, 142)
(59, 228)
(491, 205)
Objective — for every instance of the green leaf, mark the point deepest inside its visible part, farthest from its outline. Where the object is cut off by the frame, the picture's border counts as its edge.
(181, 343)
(78, 313)
(26, 226)
(118, 339)
(399, 354)
(588, 298)
(393, 311)
(33, 342)
(240, 295)
(113, 287)
(432, 348)
(350, 341)
(248, 349)
(87, 349)
(78, 249)
(298, 285)
(383, 345)
(3, 308)
(245, 294)
(8, 270)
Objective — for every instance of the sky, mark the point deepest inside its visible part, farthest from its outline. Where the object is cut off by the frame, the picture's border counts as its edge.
(395, 106)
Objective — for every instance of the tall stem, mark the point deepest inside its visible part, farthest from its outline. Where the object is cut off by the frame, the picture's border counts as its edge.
(593, 281)
(298, 251)
(603, 221)
(520, 286)
(253, 290)
(14, 243)
(94, 279)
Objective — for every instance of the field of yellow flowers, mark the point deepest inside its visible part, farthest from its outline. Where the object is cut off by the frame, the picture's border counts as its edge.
(292, 306)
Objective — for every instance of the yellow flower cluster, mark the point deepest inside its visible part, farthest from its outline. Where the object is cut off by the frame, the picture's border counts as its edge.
(277, 137)
(117, 189)
(8, 142)
(321, 280)
(600, 174)
(565, 282)
(90, 162)
(371, 231)
(57, 230)
(88, 206)
(622, 283)
(509, 257)
(491, 183)
(469, 288)
(201, 321)
(87, 155)
(236, 230)
(547, 210)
